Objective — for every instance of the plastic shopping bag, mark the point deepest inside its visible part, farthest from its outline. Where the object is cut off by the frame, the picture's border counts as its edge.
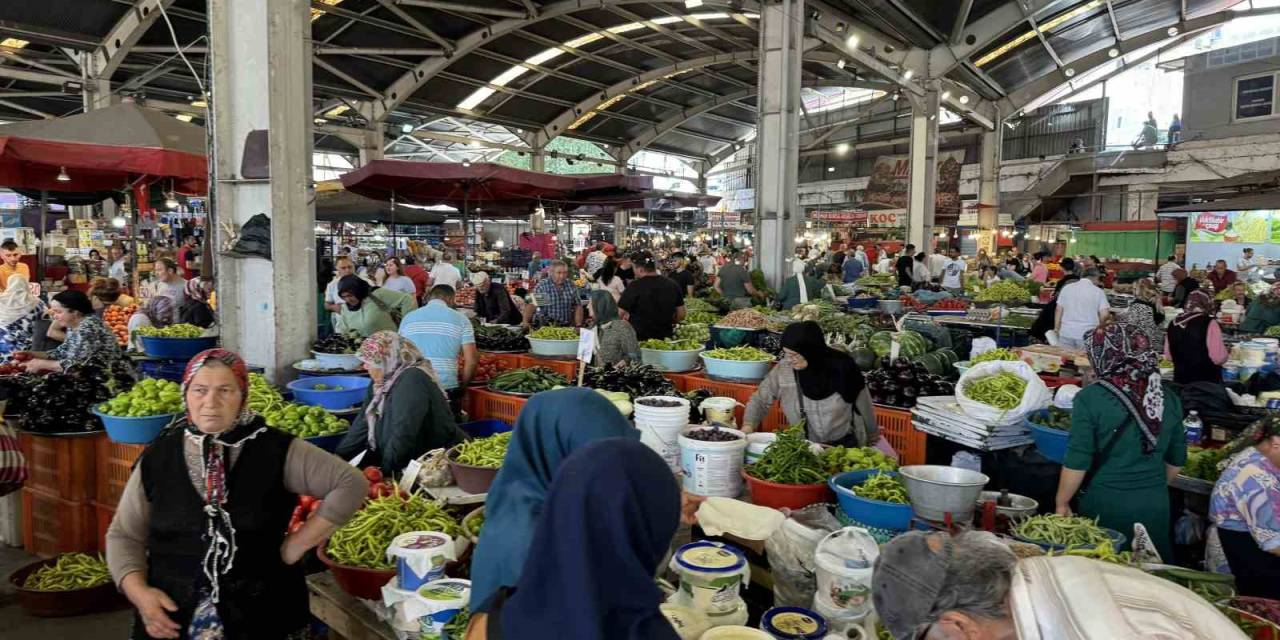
(1035, 397)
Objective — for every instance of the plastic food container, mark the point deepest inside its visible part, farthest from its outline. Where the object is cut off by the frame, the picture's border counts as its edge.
(352, 393)
(757, 444)
(688, 623)
(845, 560)
(442, 600)
(553, 348)
(793, 623)
(176, 348)
(719, 409)
(470, 478)
(360, 582)
(420, 557)
(1052, 443)
(874, 513)
(735, 632)
(338, 361)
(712, 468)
(670, 361)
(711, 575)
(141, 430)
(740, 370)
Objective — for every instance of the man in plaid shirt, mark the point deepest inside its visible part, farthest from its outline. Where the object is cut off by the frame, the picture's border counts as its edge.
(556, 299)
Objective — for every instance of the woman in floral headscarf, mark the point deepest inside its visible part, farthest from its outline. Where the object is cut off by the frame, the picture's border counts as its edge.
(1126, 439)
(199, 543)
(1194, 342)
(406, 413)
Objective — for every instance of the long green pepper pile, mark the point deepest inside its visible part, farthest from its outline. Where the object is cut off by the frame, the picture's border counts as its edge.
(883, 487)
(363, 540)
(484, 452)
(789, 461)
(71, 571)
(1001, 390)
(1068, 531)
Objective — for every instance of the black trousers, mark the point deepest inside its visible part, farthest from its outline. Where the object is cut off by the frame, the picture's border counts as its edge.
(1257, 572)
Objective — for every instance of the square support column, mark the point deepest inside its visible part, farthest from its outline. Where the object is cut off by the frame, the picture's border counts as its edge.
(778, 214)
(923, 189)
(261, 56)
(989, 189)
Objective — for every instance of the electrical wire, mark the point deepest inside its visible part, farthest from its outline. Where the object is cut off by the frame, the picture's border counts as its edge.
(178, 47)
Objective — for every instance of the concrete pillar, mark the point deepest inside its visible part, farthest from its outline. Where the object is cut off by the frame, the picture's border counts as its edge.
(371, 140)
(778, 214)
(620, 220)
(261, 56)
(1140, 201)
(989, 189)
(922, 192)
(538, 160)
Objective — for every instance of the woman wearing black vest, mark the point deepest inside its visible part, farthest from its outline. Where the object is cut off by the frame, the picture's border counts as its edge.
(198, 542)
(1194, 342)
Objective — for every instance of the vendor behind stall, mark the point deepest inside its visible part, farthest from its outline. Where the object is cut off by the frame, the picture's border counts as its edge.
(802, 287)
(1263, 312)
(1245, 505)
(1126, 440)
(1194, 342)
(493, 304)
(405, 414)
(368, 311)
(818, 385)
(157, 312)
(198, 542)
(86, 335)
(105, 292)
(195, 307)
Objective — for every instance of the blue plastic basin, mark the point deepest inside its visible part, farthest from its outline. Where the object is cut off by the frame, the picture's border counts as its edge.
(1052, 443)
(133, 430)
(354, 389)
(875, 513)
(176, 348)
(863, 303)
(484, 428)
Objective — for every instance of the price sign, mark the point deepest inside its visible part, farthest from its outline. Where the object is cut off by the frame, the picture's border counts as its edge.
(586, 344)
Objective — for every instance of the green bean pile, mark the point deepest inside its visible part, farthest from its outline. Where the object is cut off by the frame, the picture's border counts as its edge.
(789, 461)
(363, 540)
(1068, 531)
(484, 452)
(1001, 390)
(883, 487)
(531, 380)
(71, 571)
(555, 333)
(744, 354)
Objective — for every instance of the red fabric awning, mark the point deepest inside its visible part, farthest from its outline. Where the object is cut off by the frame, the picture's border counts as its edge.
(104, 150)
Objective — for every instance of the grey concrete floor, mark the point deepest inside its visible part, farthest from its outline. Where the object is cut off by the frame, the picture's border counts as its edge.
(15, 624)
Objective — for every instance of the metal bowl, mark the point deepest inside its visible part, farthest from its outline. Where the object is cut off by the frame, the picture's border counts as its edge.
(937, 491)
(1020, 507)
(891, 306)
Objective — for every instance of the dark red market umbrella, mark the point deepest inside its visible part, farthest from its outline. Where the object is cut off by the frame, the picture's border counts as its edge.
(103, 150)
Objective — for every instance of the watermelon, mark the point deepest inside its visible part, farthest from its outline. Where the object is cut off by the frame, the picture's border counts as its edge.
(912, 343)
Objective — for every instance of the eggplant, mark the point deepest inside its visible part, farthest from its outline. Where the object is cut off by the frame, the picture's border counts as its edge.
(893, 400)
(910, 392)
(906, 377)
(878, 398)
(891, 387)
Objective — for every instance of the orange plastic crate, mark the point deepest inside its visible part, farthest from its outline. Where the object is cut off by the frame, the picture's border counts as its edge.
(487, 405)
(51, 525)
(566, 368)
(505, 361)
(61, 466)
(102, 516)
(895, 426)
(775, 419)
(114, 465)
(736, 390)
(682, 381)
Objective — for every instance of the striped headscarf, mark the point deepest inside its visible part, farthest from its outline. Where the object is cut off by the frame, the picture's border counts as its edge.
(390, 352)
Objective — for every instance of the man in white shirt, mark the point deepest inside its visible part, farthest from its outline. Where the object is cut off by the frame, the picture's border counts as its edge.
(1164, 277)
(1250, 268)
(937, 263)
(885, 265)
(444, 273)
(1082, 306)
(953, 273)
(332, 302)
(167, 282)
(707, 262)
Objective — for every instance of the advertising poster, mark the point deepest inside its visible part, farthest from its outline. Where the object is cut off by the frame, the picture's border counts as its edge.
(891, 177)
(1249, 227)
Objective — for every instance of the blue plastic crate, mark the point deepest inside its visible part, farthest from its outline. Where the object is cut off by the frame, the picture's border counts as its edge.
(484, 428)
(163, 369)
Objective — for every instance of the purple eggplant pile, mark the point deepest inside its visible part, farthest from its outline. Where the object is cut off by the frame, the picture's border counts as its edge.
(900, 382)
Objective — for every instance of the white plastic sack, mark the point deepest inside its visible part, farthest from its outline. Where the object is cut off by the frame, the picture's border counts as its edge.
(980, 346)
(1035, 397)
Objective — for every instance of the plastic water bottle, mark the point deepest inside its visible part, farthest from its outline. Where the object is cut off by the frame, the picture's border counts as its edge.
(1194, 429)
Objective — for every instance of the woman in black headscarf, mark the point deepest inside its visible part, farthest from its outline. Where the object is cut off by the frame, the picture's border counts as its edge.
(818, 385)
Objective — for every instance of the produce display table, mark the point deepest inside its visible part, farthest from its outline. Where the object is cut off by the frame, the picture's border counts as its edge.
(566, 368)
(346, 616)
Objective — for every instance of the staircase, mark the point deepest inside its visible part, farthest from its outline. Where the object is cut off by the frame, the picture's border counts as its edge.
(1073, 174)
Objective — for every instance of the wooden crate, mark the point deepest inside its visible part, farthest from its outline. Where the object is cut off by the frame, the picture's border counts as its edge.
(51, 525)
(114, 465)
(895, 426)
(61, 466)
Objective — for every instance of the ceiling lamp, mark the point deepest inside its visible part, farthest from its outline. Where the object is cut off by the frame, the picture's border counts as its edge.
(466, 163)
(499, 244)
(692, 4)
(119, 222)
(62, 175)
(406, 128)
(840, 63)
(906, 75)
(170, 200)
(842, 148)
(964, 99)
(852, 41)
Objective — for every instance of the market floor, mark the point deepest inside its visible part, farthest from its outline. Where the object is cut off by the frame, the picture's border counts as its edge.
(17, 625)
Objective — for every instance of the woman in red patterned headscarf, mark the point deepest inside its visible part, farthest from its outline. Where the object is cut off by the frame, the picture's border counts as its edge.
(1126, 440)
(199, 542)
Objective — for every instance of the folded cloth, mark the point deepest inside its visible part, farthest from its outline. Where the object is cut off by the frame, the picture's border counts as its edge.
(718, 516)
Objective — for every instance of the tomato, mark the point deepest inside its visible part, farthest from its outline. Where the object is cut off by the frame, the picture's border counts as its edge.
(305, 502)
(373, 474)
(315, 506)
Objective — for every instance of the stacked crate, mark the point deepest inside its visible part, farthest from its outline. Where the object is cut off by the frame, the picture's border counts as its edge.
(57, 500)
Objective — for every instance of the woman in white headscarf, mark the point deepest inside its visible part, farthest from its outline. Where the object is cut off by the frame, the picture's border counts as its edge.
(861, 255)
(801, 287)
(19, 311)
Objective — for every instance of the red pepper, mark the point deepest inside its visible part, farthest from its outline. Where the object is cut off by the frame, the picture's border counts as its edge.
(373, 474)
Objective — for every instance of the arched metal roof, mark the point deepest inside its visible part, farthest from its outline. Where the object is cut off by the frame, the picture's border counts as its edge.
(676, 76)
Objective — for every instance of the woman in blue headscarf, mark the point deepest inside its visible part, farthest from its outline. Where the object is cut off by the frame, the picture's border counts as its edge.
(552, 425)
(608, 521)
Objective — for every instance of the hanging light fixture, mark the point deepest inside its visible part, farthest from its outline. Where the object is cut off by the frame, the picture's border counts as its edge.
(119, 222)
(170, 198)
(62, 175)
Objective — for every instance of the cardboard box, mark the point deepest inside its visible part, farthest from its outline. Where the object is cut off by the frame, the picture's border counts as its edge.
(86, 224)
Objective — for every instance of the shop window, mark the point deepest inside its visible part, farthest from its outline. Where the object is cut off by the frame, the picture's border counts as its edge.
(1255, 96)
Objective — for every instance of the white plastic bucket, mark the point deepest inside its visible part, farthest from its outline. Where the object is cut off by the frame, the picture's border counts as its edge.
(757, 444)
(660, 427)
(719, 409)
(1253, 354)
(845, 560)
(712, 468)
(441, 600)
(711, 575)
(1230, 372)
(420, 557)
(735, 633)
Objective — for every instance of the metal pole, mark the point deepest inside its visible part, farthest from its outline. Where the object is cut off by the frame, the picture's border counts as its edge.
(42, 252)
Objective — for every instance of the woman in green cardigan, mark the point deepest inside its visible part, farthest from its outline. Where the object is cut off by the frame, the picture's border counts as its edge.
(369, 310)
(1126, 438)
(405, 414)
(801, 287)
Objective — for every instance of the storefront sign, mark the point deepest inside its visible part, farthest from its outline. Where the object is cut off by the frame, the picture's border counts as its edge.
(891, 177)
(886, 218)
(1253, 227)
(855, 216)
(724, 218)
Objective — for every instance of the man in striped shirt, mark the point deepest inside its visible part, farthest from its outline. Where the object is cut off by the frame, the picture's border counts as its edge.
(441, 333)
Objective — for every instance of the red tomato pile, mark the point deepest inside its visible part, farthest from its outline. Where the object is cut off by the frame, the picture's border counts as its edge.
(951, 304)
(14, 366)
(910, 302)
(465, 298)
(378, 487)
(486, 368)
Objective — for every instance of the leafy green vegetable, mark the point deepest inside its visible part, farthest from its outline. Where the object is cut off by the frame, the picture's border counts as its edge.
(671, 345)
(693, 331)
(842, 459)
(1003, 291)
(701, 317)
(789, 461)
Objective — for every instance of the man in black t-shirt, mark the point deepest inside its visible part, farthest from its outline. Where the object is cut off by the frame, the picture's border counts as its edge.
(652, 303)
(682, 275)
(905, 265)
(625, 269)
